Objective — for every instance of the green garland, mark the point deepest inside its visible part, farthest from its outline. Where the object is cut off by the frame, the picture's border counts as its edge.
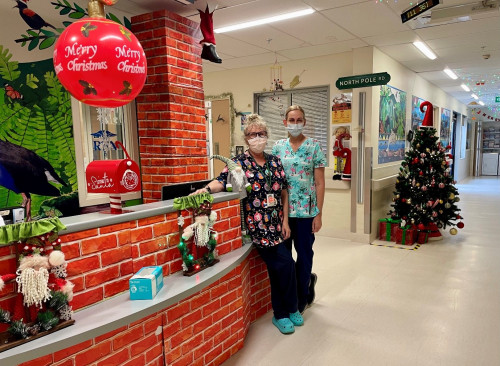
(30, 229)
(194, 201)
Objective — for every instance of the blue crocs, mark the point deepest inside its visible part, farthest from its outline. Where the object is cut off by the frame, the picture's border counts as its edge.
(296, 318)
(284, 325)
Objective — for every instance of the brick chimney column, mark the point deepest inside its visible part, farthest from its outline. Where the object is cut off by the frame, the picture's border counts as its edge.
(170, 108)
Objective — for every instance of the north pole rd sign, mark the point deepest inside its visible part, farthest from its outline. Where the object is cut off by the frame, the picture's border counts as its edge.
(362, 81)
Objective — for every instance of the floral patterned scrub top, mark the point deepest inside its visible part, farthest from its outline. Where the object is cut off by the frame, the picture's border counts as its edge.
(299, 167)
(263, 222)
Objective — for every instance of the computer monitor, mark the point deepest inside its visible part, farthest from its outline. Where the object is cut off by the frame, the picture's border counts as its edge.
(182, 189)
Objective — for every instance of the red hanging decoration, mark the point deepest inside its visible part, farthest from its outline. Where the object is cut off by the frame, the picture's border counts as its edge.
(428, 118)
(100, 62)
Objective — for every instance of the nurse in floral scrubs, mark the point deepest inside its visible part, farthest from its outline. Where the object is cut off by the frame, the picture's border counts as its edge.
(304, 164)
(266, 217)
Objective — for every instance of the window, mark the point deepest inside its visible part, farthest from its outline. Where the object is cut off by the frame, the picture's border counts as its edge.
(315, 101)
(96, 132)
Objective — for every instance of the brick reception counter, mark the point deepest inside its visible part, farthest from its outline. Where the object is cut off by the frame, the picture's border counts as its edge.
(197, 320)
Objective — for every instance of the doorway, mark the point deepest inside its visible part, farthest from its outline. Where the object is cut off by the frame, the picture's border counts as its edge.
(220, 125)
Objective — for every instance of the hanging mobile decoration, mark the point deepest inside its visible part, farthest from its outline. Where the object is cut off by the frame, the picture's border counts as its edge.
(276, 76)
(198, 240)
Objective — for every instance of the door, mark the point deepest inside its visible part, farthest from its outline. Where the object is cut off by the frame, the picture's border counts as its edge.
(221, 132)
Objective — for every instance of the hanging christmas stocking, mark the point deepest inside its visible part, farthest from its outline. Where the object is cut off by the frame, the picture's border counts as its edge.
(208, 41)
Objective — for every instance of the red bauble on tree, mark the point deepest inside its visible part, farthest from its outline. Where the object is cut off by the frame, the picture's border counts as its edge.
(100, 62)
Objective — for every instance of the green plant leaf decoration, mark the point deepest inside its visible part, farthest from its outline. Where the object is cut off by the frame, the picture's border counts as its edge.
(41, 121)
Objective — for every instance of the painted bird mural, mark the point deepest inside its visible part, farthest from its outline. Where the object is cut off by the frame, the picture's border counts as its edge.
(24, 172)
(31, 18)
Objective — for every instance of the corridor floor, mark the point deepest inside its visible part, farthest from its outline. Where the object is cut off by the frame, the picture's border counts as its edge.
(437, 305)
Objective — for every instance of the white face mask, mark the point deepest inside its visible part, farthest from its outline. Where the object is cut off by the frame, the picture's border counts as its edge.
(295, 129)
(257, 144)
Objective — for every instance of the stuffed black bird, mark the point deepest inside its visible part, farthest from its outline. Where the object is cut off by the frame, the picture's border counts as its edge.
(31, 18)
(22, 171)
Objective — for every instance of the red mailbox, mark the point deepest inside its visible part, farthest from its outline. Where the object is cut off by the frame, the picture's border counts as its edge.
(113, 177)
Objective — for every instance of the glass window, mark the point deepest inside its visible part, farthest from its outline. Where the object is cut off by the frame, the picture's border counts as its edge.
(96, 132)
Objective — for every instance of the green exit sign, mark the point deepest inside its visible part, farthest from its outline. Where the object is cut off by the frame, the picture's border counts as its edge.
(497, 99)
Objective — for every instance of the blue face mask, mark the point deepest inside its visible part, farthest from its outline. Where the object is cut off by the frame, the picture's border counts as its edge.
(295, 129)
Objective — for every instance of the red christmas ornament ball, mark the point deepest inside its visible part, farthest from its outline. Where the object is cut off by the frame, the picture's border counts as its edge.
(100, 62)
(460, 225)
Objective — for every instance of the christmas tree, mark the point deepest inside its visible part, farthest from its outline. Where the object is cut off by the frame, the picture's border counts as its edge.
(425, 195)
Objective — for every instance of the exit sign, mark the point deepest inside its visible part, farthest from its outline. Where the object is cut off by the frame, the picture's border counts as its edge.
(497, 99)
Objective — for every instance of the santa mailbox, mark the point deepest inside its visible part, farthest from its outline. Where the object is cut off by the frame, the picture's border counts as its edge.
(114, 177)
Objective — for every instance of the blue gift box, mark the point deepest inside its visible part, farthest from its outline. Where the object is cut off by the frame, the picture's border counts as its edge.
(146, 283)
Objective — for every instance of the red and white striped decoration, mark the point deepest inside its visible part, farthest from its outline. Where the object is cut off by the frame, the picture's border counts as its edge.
(115, 202)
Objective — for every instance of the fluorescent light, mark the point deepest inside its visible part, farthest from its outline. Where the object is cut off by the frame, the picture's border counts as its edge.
(450, 73)
(474, 96)
(425, 50)
(254, 23)
(465, 87)
(482, 103)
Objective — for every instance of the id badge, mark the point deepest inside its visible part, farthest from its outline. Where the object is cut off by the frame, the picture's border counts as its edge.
(271, 200)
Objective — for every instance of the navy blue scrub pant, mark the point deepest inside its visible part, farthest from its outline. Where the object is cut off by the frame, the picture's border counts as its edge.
(281, 270)
(303, 240)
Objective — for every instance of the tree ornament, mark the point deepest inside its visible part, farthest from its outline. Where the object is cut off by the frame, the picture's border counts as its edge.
(100, 62)
(424, 188)
(453, 231)
(460, 225)
(447, 205)
(451, 196)
(441, 185)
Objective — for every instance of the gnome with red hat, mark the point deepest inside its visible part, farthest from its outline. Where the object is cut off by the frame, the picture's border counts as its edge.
(43, 293)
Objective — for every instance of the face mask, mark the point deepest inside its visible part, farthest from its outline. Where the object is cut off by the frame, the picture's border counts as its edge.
(257, 144)
(295, 129)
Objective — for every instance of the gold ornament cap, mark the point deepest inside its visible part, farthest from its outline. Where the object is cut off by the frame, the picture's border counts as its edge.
(96, 7)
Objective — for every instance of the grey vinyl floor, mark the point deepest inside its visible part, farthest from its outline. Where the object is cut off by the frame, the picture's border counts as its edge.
(437, 305)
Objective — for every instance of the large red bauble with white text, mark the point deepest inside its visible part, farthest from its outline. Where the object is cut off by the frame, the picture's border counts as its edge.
(100, 62)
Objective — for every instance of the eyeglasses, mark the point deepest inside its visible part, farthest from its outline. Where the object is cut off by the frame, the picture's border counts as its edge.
(253, 135)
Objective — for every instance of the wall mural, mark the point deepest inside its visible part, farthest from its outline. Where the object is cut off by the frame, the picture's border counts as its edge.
(36, 120)
(444, 132)
(392, 117)
(36, 126)
(417, 116)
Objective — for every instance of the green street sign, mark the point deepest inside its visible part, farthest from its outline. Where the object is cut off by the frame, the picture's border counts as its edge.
(362, 81)
(497, 99)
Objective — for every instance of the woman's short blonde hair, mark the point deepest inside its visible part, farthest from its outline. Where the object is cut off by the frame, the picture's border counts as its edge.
(254, 120)
(295, 108)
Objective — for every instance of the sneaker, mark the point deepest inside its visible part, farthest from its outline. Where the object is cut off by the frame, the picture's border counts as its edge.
(312, 293)
(284, 325)
(296, 318)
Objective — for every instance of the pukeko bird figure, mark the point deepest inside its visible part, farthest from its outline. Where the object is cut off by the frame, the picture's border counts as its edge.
(22, 171)
(31, 18)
